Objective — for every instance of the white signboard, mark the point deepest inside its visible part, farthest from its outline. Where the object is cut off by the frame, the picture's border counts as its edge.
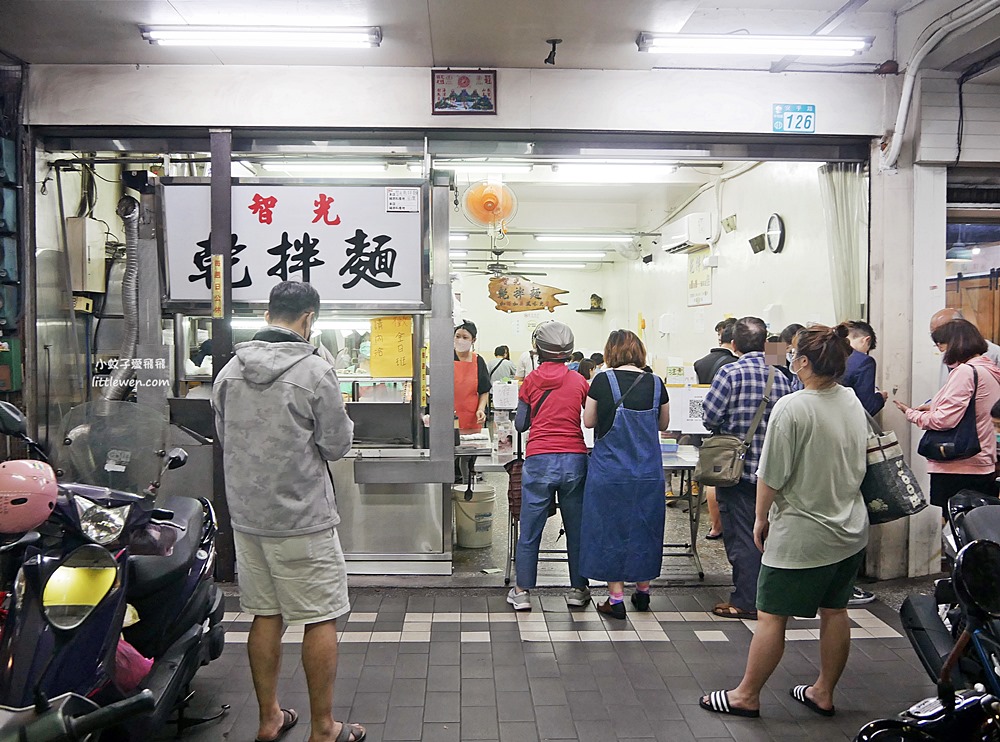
(686, 403)
(353, 243)
(699, 279)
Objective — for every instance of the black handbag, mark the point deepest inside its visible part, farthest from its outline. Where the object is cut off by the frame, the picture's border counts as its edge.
(960, 442)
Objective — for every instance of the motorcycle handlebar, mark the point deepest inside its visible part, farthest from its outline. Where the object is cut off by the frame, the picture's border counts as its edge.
(108, 716)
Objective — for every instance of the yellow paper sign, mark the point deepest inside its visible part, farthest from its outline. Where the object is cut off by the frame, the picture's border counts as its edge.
(392, 347)
(217, 304)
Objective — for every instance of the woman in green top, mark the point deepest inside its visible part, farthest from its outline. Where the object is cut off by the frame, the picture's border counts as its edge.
(811, 523)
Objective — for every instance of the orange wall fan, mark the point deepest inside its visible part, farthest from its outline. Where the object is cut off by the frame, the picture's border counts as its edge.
(490, 205)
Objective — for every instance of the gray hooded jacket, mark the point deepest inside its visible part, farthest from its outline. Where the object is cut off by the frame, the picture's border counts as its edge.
(280, 417)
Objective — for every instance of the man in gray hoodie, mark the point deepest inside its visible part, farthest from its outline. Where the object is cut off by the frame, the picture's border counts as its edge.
(280, 418)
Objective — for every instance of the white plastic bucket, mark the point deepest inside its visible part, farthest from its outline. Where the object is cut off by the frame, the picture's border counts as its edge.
(474, 518)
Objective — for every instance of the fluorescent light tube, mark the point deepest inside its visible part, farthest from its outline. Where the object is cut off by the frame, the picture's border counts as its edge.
(560, 255)
(258, 323)
(584, 238)
(458, 236)
(458, 254)
(550, 265)
(318, 167)
(484, 167)
(771, 45)
(347, 37)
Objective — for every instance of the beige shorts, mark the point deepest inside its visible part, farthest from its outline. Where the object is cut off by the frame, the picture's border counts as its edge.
(301, 578)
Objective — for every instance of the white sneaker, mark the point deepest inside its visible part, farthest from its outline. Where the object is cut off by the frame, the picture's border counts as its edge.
(578, 596)
(520, 600)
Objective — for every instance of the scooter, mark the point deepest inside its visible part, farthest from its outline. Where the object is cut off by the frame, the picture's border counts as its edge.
(972, 713)
(70, 718)
(934, 623)
(165, 554)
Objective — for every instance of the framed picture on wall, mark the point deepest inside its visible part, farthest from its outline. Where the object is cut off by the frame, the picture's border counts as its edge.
(466, 92)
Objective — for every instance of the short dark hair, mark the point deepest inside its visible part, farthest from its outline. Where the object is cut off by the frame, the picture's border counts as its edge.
(826, 348)
(289, 300)
(963, 339)
(788, 334)
(586, 368)
(624, 347)
(577, 356)
(597, 358)
(724, 329)
(749, 335)
(469, 327)
(502, 351)
(858, 328)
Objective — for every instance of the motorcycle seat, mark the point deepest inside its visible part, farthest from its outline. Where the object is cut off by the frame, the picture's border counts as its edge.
(150, 574)
(981, 523)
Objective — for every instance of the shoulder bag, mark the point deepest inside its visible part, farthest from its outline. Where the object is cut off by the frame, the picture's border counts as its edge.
(721, 457)
(889, 488)
(960, 442)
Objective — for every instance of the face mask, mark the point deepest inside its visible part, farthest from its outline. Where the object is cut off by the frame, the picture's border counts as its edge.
(365, 349)
(463, 346)
(789, 357)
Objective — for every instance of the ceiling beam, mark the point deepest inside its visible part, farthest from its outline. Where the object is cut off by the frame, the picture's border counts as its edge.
(849, 9)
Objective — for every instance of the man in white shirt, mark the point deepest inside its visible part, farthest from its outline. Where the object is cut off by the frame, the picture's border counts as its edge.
(527, 363)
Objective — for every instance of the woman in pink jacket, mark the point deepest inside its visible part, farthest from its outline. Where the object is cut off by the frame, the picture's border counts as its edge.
(963, 347)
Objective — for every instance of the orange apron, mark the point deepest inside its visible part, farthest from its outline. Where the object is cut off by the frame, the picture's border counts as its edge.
(467, 394)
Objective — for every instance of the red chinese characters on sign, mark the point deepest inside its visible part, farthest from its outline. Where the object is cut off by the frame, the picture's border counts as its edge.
(322, 210)
(263, 207)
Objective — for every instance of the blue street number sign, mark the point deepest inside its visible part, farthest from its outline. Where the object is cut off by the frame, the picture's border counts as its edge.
(794, 118)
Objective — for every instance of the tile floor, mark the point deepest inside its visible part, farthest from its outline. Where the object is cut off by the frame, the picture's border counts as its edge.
(450, 665)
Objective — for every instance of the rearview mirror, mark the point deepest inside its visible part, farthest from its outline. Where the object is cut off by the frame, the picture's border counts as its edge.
(176, 458)
(78, 586)
(12, 420)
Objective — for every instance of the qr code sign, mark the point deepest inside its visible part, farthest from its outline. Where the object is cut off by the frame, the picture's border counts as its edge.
(695, 408)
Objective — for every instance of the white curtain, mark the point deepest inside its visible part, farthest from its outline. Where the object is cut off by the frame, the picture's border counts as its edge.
(845, 206)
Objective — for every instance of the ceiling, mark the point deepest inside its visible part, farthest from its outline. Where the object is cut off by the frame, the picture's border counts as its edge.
(426, 33)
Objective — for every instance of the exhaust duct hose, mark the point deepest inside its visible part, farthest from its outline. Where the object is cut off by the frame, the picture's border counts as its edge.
(128, 210)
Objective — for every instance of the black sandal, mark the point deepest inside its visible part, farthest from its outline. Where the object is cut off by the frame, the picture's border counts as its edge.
(718, 701)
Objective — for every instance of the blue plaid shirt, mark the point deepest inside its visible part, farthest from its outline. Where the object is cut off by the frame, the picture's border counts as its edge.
(732, 402)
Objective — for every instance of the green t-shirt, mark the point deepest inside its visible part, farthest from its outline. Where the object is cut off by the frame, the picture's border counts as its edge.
(814, 456)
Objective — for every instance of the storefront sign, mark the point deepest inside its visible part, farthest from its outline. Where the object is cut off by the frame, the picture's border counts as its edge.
(356, 244)
(392, 347)
(794, 118)
(699, 279)
(516, 294)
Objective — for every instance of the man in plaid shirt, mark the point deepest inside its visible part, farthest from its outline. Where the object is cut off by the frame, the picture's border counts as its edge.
(730, 406)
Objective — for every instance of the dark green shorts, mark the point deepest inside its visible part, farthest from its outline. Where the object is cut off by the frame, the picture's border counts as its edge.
(802, 592)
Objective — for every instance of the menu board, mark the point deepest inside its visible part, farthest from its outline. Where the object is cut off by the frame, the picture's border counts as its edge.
(392, 347)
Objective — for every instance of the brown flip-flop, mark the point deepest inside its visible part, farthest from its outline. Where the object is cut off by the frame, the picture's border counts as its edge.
(347, 729)
(728, 610)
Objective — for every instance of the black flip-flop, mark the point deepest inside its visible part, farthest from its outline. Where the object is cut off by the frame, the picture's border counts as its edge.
(718, 701)
(290, 720)
(714, 537)
(346, 730)
(799, 694)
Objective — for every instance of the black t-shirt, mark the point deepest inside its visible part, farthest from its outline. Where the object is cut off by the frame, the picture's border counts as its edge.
(484, 385)
(640, 398)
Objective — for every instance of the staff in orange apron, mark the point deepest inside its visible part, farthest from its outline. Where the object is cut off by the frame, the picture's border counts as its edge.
(472, 387)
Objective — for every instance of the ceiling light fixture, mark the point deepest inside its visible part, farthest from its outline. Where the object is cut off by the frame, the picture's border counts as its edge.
(551, 265)
(771, 45)
(584, 237)
(458, 253)
(458, 236)
(345, 37)
(561, 255)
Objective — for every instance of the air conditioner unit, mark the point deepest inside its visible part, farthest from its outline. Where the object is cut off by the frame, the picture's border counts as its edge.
(688, 234)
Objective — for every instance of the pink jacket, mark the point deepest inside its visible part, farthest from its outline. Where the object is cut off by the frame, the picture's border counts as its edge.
(950, 404)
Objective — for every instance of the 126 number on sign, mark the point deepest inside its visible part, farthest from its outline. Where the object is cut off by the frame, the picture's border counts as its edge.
(794, 118)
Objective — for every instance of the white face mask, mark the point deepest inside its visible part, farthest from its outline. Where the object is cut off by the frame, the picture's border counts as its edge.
(789, 357)
(463, 346)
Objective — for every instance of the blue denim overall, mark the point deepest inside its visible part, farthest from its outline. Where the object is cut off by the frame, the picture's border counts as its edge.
(623, 506)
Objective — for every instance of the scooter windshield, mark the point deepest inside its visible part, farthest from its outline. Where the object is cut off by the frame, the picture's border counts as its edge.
(112, 444)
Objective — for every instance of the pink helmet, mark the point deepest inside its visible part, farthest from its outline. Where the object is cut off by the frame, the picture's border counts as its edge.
(27, 495)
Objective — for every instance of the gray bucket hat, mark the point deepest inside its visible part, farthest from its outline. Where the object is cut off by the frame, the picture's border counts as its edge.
(554, 341)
